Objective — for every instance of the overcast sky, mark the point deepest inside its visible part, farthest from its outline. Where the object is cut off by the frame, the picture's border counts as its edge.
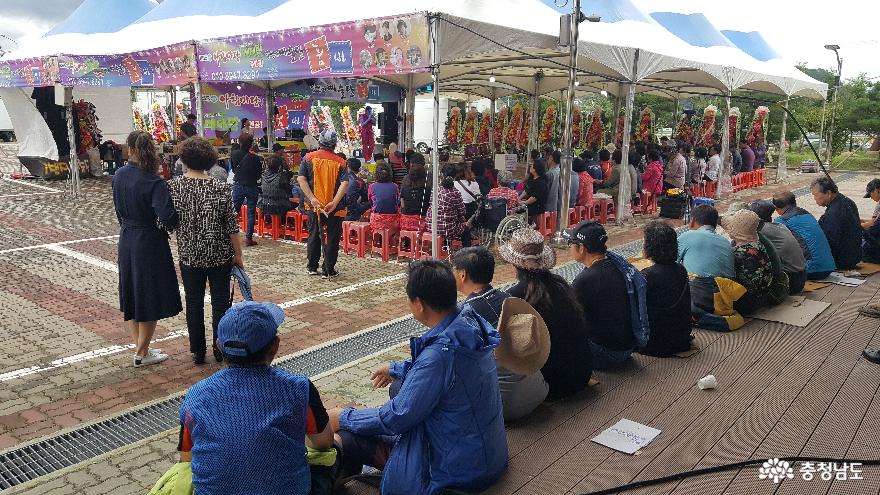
(798, 29)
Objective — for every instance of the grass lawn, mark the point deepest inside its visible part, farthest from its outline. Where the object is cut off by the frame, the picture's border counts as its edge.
(857, 160)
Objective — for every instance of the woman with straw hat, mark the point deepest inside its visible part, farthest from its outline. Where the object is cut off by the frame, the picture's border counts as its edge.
(569, 365)
(751, 261)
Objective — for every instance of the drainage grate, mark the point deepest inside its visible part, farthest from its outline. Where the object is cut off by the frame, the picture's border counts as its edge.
(46, 456)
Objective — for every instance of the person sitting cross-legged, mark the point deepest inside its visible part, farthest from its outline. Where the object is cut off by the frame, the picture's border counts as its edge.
(805, 228)
(752, 263)
(474, 268)
(840, 222)
(701, 250)
(444, 427)
(791, 256)
(246, 428)
(613, 295)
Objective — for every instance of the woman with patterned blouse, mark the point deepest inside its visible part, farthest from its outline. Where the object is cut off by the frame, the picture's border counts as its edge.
(751, 261)
(208, 244)
(451, 221)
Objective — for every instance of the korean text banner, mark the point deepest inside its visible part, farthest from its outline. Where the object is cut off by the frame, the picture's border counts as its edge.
(390, 45)
(353, 90)
(41, 71)
(168, 66)
(224, 105)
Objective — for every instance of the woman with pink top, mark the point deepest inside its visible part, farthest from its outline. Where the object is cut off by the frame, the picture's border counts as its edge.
(652, 177)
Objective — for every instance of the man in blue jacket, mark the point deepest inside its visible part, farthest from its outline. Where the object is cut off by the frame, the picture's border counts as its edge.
(444, 427)
(801, 223)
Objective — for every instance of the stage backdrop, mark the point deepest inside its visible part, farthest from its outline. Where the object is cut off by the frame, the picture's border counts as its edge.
(389, 45)
(224, 105)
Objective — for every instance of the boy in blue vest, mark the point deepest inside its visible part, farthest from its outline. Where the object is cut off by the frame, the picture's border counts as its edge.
(245, 428)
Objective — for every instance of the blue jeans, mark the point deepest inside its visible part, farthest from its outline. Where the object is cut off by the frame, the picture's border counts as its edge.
(247, 195)
(608, 359)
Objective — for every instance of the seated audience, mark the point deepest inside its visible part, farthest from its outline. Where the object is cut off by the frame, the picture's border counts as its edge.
(585, 186)
(478, 168)
(611, 186)
(840, 222)
(275, 189)
(415, 195)
(751, 261)
(612, 294)
(871, 235)
(713, 165)
(398, 167)
(701, 250)
(790, 253)
(444, 427)
(474, 268)
(384, 200)
(779, 288)
(676, 170)
(605, 164)
(246, 427)
(811, 238)
(652, 179)
(451, 220)
(536, 190)
(356, 200)
(592, 165)
(569, 367)
(504, 191)
(668, 294)
(698, 167)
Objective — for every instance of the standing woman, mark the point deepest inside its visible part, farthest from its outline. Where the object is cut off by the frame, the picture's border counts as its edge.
(148, 289)
(208, 243)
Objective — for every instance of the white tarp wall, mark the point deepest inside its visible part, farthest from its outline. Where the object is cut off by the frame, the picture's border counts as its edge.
(34, 137)
(113, 108)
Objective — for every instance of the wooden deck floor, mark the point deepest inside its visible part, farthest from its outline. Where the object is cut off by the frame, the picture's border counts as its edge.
(783, 391)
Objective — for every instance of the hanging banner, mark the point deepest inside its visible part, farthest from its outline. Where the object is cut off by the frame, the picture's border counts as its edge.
(337, 89)
(168, 66)
(291, 113)
(224, 105)
(389, 45)
(41, 71)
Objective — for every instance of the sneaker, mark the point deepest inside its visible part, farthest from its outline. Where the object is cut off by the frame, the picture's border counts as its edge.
(312, 272)
(155, 351)
(330, 275)
(149, 359)
(250, 242)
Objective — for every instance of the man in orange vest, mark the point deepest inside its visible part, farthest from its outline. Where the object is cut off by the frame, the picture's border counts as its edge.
(322, 179)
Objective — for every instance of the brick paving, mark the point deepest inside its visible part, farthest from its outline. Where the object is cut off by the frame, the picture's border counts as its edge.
(56, 303)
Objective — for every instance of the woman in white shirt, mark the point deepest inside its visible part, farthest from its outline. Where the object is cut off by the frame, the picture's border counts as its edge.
(467, 187)
(713, 168)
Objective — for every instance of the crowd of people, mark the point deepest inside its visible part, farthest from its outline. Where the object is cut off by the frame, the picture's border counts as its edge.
(492, 358)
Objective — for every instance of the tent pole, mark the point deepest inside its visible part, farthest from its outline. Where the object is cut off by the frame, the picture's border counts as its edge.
(409, 122)
(725, 186)
(616, 111)
(781, 170)
(565, 170)
(674, 116)
(174, 113)
(73, 182)
(270, 115)
(435, 151)
(200, 121)
(492, 123)
(533, 116)
(822, 125)
(624, 195)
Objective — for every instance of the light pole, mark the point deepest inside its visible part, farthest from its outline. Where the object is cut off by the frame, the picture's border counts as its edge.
(829, 143)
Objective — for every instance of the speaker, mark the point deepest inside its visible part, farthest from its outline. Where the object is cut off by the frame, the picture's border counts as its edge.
(388, 122)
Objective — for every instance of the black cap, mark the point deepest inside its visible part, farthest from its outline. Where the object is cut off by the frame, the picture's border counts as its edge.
(589, 234)
(764, 210)
(874, 184)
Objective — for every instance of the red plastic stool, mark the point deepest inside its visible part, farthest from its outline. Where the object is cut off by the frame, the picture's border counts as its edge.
(602, 205)
(242, 218)
(292, 223)
(711, 188)
(302, 232)
(258, 222)
(574, 216)
(385, 242)
(408, 245)
(588, 212)
(426, 247)
(357, 238)
(274, 223)
(547, 223)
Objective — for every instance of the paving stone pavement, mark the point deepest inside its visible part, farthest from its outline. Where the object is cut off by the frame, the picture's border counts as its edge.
(61, 301)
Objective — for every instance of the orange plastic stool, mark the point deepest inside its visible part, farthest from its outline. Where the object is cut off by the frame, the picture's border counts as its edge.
(292, 222)
(426, 247)
(385, 242)
(242, 218)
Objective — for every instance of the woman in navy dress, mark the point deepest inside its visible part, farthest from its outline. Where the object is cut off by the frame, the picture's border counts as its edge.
(148, 288)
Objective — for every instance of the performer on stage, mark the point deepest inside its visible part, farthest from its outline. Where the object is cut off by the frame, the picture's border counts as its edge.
(368, 137)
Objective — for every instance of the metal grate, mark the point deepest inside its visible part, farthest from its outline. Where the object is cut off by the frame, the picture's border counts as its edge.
(46, 456)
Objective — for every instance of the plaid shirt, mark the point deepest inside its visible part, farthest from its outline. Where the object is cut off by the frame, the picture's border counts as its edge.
(505, 193)
(450, 213)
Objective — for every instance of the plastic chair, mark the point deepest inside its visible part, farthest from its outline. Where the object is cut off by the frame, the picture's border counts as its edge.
(292, 223)
(260, 227)
(547, 223)
(275, 229)
(602, 207)
(242, 218)
(357, 237)
(302, 232)
(384, 242)
(426, 247)
(408, 245)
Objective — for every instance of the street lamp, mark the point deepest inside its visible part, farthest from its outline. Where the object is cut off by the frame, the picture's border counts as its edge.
(828, 144)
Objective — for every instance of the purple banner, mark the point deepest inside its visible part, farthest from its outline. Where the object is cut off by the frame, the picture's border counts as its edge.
(42, 71)
(168, 66)
(225, 104)
(391, 45)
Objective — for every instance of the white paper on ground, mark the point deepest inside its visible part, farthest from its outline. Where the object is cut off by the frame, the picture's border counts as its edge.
(839, 279)
(627, 436)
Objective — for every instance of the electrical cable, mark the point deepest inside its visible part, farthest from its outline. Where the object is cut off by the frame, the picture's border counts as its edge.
(725, 467)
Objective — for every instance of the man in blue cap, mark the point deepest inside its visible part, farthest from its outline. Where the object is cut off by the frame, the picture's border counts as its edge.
(245, 428)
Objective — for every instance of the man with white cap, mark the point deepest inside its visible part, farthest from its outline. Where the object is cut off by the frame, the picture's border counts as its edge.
(525, 340)
(245, 428)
